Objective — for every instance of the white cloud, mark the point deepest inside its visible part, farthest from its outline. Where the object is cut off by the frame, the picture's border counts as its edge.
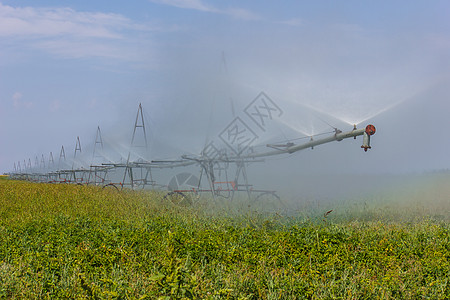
(79, 49)
(16, 99)
(238, 13)
(69, 33)
(41, 22)
(189, 4)
(18, 103)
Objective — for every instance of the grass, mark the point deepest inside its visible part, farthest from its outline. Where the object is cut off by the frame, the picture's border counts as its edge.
(67, 241)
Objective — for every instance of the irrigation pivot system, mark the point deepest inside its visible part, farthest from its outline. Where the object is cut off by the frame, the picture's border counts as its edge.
(218, 171)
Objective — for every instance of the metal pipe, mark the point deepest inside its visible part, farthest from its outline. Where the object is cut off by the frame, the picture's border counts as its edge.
(338, 136)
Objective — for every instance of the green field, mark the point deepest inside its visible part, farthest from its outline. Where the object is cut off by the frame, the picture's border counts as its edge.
(68, 241)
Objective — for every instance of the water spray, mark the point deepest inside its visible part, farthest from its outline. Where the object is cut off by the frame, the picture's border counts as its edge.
(137, 169)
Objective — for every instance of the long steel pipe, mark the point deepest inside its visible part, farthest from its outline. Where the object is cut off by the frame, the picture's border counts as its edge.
(338, 136)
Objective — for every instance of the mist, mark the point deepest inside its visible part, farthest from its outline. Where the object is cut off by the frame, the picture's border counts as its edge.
(321, 71)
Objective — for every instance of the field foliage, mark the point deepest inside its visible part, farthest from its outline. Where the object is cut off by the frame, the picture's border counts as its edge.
(68, 241)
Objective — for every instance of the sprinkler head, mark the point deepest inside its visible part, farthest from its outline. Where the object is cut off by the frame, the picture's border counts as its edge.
(370, 130)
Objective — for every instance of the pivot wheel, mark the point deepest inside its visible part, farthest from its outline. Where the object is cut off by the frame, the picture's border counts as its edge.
(111, 186)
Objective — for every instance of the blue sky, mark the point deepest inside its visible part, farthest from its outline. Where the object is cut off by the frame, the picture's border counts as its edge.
(67, 67)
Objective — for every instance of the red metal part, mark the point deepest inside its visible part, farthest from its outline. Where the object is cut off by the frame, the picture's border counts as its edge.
(370, 129)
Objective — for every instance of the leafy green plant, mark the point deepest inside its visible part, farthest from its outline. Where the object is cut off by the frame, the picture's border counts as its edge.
(174, 280)
(64, 241)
